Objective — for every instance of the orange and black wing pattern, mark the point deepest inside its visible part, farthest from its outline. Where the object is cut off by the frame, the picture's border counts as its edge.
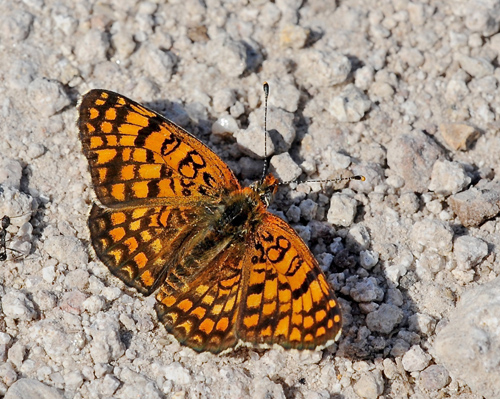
(152, 177)
(174, 220)
(266, 291)
(137, 156)
(203, 315)
(286, 299)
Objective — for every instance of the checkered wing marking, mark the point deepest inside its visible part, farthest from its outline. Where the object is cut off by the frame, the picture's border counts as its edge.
(203, 314)
(137, 156)
(141, 245)
(287, 299)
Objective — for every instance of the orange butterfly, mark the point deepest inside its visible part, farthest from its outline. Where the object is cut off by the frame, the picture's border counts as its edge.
(173, 219)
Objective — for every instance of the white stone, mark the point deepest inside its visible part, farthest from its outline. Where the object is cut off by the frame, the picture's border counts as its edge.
(350, 106)
(448, 178)
(26, 388)
(225, 126)
(469, 251)
(415, 359)
(16, 305)
(342, 210)
(177, 373)
(285, 168)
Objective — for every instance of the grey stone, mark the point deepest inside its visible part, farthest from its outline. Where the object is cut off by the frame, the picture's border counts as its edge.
(384, 319)
(477, 204)
(469, 345)
(368, 259)
(412, 157)
(434, 377)
(308, 209)
(26, 388)
(367, 290)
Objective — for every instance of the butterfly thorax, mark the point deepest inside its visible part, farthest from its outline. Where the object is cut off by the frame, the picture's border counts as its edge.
(243, 210)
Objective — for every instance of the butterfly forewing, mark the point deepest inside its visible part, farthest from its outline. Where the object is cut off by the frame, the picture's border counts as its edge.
(287, 300)
(136, 155)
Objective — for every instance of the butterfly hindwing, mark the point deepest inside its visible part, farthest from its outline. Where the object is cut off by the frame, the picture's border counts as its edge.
(140, 245)
(203, 315)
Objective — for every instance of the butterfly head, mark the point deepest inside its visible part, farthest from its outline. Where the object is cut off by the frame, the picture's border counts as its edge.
(266, 188)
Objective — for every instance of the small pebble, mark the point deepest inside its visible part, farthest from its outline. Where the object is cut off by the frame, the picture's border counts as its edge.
(16, 305)
(434, 378)
(350, 106)
(384, 319)
(448, 178)
(415, 359)
(285, 168)
(370, 385)
(342, 210)
(432, 234)
(469, 251)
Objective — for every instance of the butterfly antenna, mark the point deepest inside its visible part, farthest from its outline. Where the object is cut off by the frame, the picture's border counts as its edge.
(266, 159)
(338, 180)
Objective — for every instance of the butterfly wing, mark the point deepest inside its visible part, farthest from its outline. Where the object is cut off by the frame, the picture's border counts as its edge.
(265, 291)
(287, 300)
(141, 245)
(203, 315)
(155, 180)
(138, 157)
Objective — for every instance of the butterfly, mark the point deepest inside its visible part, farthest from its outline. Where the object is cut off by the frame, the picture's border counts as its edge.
(172, 219)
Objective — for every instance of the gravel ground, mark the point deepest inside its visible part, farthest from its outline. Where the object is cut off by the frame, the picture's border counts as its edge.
(403, 92)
